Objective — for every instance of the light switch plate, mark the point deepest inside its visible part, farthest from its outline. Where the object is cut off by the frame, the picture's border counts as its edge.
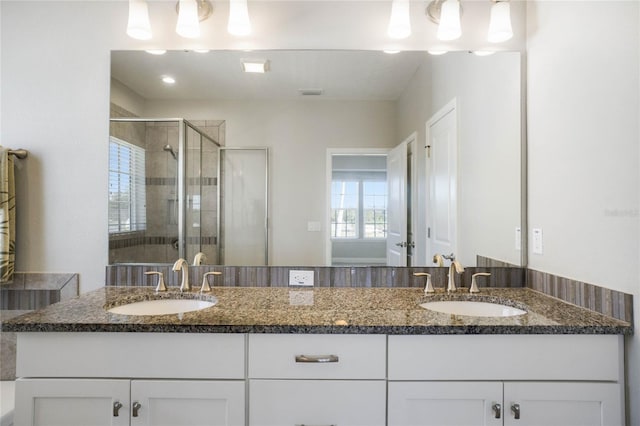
(301, 278)
(537, 240)
(314, 227)
(518, 238)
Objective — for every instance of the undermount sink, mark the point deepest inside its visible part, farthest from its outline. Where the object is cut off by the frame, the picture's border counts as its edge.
(472, 308)
(162, 307)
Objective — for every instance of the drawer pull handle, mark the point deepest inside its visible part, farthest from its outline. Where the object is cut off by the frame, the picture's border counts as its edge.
(316, 359)
(516, 411)
(307, 424)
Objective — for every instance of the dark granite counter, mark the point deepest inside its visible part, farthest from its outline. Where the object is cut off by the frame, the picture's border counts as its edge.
(319, 310)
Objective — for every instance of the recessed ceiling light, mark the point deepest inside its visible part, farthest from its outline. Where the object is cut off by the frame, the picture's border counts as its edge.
(156, 51)
(391, 52)
(201, 50)
(168, 79)
(255, 66)
(437, 52)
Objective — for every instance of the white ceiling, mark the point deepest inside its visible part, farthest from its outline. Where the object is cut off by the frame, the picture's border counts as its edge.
(341, 74)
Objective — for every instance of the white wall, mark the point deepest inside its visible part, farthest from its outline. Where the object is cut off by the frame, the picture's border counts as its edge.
(583, 114)
(297, 134)
(487, 92)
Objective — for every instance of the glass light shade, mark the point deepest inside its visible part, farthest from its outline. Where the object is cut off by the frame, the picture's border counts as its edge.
(239, 23)
(449, 28)
(138, 26)
(188, 23)
(500, 23)
(400, 20)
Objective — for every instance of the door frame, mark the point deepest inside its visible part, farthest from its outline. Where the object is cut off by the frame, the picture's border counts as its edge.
(328, 178)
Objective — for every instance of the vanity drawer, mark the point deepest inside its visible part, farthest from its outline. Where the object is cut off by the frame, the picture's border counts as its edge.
(317, 356)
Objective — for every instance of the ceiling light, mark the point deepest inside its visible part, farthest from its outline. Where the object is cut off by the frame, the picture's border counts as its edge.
(156, 51)
(168, 79)
(437, 52)
(201, 50)
(391, 52)
(400, 20)
(138, 26)
(188, 23)
(500, 23)
(239, 23)
(255, 66)
(449, 28)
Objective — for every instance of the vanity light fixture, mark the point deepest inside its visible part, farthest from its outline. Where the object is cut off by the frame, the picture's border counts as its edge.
(255, 66)
(400, 20)
(188, 25)
(500, 24)
(239, 23)
(138, 25)
(168, 79)
(449, 27)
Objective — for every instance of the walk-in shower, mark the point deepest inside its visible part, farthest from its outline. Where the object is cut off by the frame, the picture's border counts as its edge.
(163, 190)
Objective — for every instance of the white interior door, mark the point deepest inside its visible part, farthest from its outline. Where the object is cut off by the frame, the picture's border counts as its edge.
(442, 143)
(397, 206)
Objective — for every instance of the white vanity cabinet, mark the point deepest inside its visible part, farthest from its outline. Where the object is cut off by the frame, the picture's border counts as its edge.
(317, 380)
(97, 402)
(153, 378)
(532, 380)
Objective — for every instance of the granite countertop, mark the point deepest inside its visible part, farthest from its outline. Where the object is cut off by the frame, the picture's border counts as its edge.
(319, 310)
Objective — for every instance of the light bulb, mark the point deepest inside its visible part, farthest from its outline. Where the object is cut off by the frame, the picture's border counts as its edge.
(449, 28)
(500, 23)
(138, 26)
(400, 20)
(188, 23)
(239, 23)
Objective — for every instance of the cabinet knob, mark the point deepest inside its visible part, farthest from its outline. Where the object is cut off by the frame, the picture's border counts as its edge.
(515, 408)
(497, 409)
(116, 408)
(317, 358)
(136, 406)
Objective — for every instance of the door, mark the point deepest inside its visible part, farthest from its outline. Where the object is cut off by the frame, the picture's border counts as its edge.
(442, 156)
(445, 403)
(317, 402)
(187, 403)
(562, 404)
(397, 206)
(72, 402)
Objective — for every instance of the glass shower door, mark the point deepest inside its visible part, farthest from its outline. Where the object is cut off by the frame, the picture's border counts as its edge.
(243, 201)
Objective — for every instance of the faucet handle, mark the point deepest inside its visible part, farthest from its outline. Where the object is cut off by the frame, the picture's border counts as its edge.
(205, 281)
(428, 288)
(474, 285)
(161, 286)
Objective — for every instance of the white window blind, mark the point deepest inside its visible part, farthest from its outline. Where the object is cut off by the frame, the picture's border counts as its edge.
(127, 197)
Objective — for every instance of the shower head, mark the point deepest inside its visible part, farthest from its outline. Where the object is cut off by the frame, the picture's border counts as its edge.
(169, 149)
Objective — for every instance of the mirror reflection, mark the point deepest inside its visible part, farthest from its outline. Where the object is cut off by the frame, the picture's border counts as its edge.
(369, 158)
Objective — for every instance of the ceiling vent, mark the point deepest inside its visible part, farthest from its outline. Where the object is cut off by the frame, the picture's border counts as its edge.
(310, 92)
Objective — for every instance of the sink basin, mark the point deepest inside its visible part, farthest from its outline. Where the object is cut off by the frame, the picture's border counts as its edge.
(474, 309)
(162, 307)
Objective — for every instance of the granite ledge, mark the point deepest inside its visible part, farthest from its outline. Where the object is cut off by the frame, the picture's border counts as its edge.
(392, 311)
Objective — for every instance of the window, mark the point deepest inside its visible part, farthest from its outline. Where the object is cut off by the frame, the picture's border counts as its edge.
(127, 211)
(359, 207)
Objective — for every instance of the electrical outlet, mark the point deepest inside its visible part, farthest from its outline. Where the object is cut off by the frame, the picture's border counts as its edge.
(301, 278)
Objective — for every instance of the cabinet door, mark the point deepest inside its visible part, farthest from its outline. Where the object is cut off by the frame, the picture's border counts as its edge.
(71, 402)
(187, 403)
(317, 402)
(563, 404)
(445, 403)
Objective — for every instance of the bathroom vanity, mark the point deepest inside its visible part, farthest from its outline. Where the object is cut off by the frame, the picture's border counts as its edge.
(273, 356)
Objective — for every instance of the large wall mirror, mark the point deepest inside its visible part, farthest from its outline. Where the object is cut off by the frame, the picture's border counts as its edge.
(371, 158)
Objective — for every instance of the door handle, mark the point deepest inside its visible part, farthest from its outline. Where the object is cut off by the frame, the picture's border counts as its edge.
(402, 244)
(116, 408)
(497, 409)
(515, 408)
(136, 406)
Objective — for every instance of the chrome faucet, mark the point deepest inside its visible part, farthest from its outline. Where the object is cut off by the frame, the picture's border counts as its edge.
(455, 268)
(182, 265)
